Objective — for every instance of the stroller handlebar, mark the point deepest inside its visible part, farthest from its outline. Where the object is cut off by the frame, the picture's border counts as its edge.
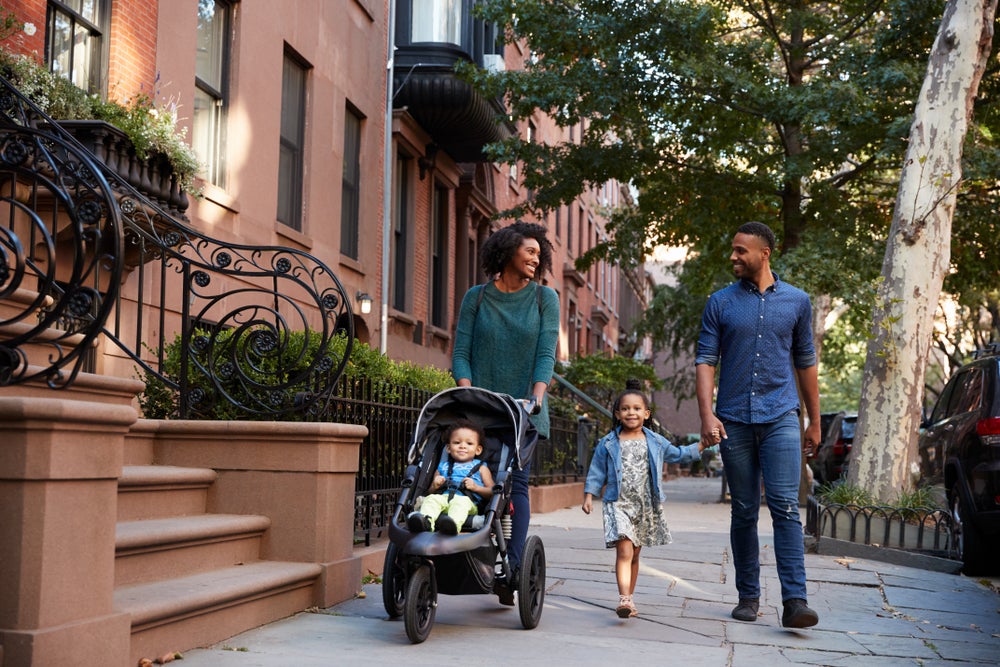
(530, 405)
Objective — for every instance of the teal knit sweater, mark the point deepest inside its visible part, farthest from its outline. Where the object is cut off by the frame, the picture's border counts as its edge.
(506, 343)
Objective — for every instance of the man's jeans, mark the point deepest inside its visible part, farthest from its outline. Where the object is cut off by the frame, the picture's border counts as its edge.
(773, 450)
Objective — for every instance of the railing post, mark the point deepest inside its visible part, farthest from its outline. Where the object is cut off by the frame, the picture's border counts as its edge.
(584, 440)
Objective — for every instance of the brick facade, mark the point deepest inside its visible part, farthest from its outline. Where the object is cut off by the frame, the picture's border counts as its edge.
(152, 48)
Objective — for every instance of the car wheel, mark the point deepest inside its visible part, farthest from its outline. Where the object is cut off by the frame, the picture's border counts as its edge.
(968, 540)
(420, 605)
(393, 582)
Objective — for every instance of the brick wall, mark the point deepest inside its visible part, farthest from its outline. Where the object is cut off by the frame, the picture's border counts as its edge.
(131, 36)
(132, 61)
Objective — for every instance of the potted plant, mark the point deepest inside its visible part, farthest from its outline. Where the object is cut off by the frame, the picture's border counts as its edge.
(913, 521)
(149, 127)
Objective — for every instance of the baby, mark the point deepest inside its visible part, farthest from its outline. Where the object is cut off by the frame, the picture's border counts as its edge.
(465, 480)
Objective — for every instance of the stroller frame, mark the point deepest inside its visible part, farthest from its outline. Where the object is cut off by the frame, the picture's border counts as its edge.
(420, 566)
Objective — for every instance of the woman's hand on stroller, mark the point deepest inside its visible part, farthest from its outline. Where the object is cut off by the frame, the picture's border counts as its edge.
(531, 405)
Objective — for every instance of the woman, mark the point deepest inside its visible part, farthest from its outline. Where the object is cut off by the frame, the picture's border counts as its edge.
(506, 339)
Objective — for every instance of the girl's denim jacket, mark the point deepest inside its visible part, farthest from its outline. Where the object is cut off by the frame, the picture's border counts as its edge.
(606, 466)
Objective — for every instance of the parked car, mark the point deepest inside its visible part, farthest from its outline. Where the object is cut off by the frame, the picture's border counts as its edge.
(959, 449)
(832, 455)
(825, 421)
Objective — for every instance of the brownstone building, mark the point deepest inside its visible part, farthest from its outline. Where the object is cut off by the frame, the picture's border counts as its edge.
(285, 105)
(314, 134)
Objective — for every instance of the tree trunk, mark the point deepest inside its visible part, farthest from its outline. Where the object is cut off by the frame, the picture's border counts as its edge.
(918, 252)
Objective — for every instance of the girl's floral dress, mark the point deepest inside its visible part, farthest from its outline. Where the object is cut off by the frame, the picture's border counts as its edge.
(635, 515)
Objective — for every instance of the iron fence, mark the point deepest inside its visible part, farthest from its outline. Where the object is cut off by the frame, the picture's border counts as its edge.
(923, 529)
(390, 412)
(565, 455)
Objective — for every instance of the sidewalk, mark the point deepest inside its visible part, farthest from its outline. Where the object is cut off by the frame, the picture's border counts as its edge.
(871, 613)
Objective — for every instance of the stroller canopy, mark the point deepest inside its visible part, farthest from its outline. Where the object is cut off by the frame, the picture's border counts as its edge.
(495, 413)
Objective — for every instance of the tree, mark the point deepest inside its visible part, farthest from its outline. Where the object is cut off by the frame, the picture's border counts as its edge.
(917, 255)
(603, 378)
(720, 111)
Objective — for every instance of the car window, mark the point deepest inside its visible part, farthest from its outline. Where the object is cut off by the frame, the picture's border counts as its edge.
(847, 429)
(967, 394)
(941, 407)
(972, 392)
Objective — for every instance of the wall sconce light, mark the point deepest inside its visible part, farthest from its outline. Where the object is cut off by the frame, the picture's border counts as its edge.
(365, 301)
(428, 160)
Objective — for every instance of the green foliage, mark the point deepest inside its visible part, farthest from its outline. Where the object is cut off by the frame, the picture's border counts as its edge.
(151, 127)
(603, 378)
(843, 493)
(793, 114)
(9, 23)
(160, 401)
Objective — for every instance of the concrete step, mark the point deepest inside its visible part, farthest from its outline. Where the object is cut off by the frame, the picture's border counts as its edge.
(198, 610)
(154, 492)
(154, 549)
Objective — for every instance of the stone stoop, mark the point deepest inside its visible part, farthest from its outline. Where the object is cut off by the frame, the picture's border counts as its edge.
(39, 348)
(188, 578)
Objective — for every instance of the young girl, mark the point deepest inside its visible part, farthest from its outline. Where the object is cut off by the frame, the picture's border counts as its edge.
(628, 465)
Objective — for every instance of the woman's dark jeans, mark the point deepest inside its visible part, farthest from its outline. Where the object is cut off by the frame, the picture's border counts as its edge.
(522, 514)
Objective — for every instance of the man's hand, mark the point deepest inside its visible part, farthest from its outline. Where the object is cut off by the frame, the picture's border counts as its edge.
(812, 440)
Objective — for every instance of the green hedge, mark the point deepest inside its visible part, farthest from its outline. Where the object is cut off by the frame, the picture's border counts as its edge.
(160, 401)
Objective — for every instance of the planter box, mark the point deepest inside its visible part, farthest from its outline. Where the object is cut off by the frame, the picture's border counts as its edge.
(153, 177)
(923, 529)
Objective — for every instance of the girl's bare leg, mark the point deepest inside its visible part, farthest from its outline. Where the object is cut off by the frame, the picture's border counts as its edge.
(634, 567)
(626, 566)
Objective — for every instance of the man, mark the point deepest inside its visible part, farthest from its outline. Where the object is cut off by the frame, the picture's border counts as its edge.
(758, 330)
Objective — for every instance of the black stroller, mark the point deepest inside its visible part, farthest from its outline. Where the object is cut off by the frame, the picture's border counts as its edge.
(418, 566)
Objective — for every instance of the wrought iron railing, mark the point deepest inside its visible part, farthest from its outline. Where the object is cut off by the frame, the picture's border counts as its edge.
(564, 457)
(924, 529)
(390, 412)
(86, 258)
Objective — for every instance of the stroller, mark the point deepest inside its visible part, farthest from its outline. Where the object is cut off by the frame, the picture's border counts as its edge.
(418, 566)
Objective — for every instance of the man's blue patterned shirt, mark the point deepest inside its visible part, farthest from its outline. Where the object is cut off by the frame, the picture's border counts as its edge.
(756, 339)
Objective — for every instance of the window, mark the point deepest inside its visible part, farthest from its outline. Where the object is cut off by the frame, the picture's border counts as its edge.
(210, 95)
(968, 396)
(573, 326)
(439, 257)
(569, 229)
(74, 41)
(531, 139)
(400, 227)
(350, 201)
(291, 158)
(436, 21)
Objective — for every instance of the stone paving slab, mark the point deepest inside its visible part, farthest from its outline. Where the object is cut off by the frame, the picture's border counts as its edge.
(871, 613)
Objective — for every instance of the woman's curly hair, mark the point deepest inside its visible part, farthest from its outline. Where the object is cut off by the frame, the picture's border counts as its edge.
(500, 247)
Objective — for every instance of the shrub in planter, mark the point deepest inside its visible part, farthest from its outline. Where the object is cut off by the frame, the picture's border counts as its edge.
(150, 126)
(259, 373)
(913, 521)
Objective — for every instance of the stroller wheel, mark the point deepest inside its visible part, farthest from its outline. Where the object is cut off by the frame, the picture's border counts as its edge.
(393, 582)
(420, 604)
(531, 582)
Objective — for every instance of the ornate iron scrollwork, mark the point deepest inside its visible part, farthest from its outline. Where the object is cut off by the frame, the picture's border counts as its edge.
(86, 257)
